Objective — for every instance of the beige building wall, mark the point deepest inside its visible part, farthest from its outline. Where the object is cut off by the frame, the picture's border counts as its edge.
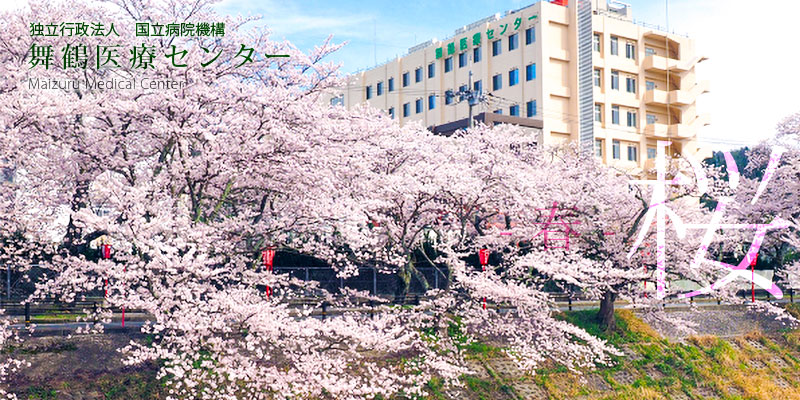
(654, 71)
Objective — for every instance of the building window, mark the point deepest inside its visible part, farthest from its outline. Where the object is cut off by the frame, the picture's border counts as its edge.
(513, 42)
(651, 119)
(391, 112)
(649, 51)
(406, 109)
(632, 119)
(497, 82)
(615, 115)
(597, 75)
(615, 149)
(379, 88)
(632, 156)
(596, 42)
(369, 92)
(514, 110)
(614, 46)
(431, 102)
(530, 35)
(530, 72)
(405, 79)
(651, 153)
(477, 86)
(650, 85)
(630, 51)
(448, 64)
(418, 75)
(391, 84)
(598, 113)
(462, 60)
(630, 85)
(496, 47)
(418, 106)
(448, 99)
(614, 80)
(513, 77)
(431, 70)
(530, 108)
(598, 148)
(498, 111)
(463, 88)
(476, 54)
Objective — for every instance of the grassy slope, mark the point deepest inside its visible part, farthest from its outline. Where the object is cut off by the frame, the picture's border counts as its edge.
(751, 367)
(755, 366)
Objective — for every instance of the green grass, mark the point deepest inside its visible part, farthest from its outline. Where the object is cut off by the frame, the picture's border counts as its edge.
(587, 320)
(435, 387)
(39, 392)
(132, 386)
(47, 348)
(56, 317)
(488, 389)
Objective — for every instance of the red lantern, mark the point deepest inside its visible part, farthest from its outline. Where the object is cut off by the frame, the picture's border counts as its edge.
(105, 251)
(483, 256)
(267, 256)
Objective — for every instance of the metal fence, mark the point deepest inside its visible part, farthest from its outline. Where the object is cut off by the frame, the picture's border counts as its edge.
(370, 279)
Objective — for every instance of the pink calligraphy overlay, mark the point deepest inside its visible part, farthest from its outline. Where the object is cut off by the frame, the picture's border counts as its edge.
(554, 219)
(658, 210)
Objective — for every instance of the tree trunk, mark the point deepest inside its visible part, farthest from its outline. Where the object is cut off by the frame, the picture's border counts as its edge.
(605, 317)
(73, 239)
(404, 280)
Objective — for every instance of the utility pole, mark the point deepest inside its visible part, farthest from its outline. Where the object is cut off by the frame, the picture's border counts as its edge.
(472, 97)
(469, 88)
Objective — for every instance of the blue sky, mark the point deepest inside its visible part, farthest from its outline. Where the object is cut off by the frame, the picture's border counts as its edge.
(751, 66)
(378, 30)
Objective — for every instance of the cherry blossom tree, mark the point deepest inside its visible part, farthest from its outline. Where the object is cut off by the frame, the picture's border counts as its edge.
(430, 205)
(768, 191)
(199, 180)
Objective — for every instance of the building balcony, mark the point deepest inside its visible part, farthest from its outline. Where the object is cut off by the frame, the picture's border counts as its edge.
(660, 131)
(678, 98)
(660, 63)
(655, 97)
(689, 96)
(677, 131)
